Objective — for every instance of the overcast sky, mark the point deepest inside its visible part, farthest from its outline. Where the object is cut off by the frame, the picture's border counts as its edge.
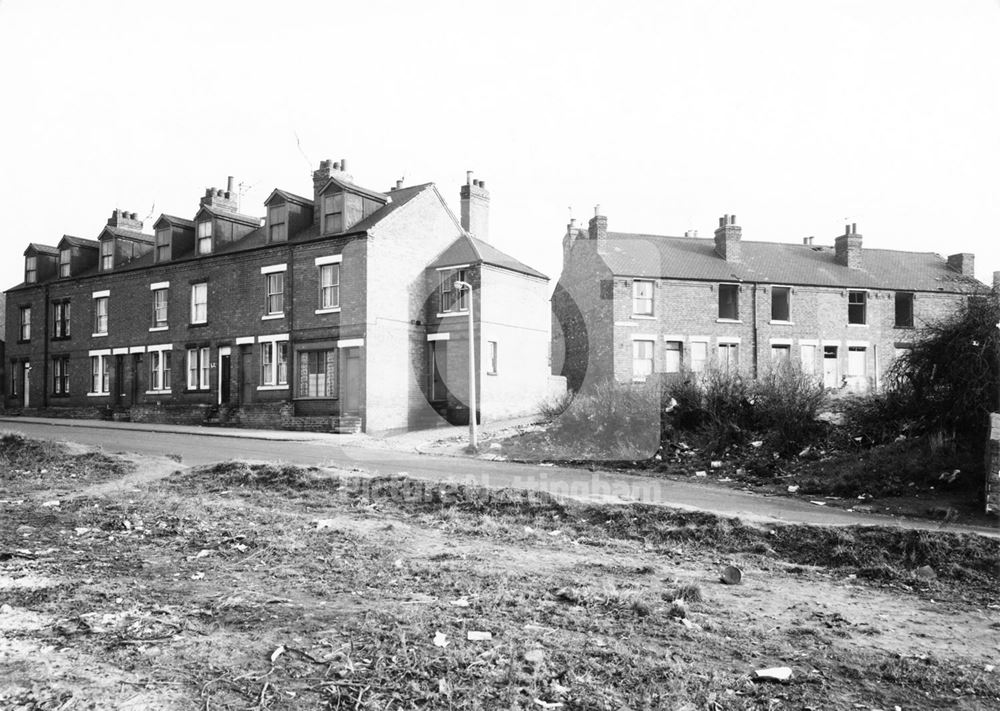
(794, 115)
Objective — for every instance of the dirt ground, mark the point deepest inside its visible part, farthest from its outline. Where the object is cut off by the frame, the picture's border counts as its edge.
(144, 585)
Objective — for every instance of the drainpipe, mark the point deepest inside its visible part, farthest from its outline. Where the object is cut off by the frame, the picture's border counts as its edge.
(473, 434)
(45, 350)
(753, 293)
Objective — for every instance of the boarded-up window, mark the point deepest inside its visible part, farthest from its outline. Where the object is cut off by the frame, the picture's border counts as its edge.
(318, 373)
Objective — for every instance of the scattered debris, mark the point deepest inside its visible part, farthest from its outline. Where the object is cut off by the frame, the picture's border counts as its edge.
(731, 575)
(277, 653)
(50, 504)
(440, 639)
(549, 704)
(324, 523)
(774, 674)
(535, 656)
(701, 473)
(792, 488)
(460, 602)
(715, 464)
(818, 503)
(925, 572)
(474, 636)
(757, 443)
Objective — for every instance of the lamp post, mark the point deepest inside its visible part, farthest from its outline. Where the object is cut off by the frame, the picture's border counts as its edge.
(473, 434)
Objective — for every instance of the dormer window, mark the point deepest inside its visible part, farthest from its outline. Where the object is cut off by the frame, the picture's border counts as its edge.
(333, 213)
(65, 261)
(276, 223)
(205, 237)
(107, 254)
(31, 269)
(162, 245)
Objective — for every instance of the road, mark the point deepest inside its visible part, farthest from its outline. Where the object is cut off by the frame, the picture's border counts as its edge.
(197, 446)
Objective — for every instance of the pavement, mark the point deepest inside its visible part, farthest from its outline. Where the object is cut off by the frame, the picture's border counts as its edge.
(438, 455)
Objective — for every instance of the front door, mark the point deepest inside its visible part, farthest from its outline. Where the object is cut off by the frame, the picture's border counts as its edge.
(246, 376)
(831, 368)
(224, 385)
(118, 380)
(133, 384)
(351, 382)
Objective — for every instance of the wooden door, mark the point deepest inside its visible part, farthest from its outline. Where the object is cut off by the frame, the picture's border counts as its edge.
(246, 376)
(351, 382)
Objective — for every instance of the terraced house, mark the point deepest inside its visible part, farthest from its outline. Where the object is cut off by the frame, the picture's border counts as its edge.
(630, 306)
(336, 311)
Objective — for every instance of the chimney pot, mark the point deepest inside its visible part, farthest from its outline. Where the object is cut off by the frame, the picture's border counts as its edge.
(482, 184)
(732, 219)
(336, 165)
(468, 177)
(343, 164)
(399, 184)
(229, 184)
(597, 210)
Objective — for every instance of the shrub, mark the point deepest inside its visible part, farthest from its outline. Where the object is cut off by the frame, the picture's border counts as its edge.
(727, 407)
(948, 380)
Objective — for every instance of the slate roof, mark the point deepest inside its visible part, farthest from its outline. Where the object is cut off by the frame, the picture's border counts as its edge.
(79, 242)
(290, 197)
(42, 249)
(229, 215)
(128, 234)
(469, 250)
(174, 220)
(695, 258)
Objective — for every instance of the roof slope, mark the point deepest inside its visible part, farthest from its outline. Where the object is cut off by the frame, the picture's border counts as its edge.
(470, 250)
(780, 263)
(79, 242)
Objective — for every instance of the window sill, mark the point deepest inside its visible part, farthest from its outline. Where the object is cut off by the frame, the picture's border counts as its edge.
(904, 328)
(453, 313)
(493, 374)
(271, 317)
(857, 325)
(314, 398)
(195, 391)
(728, 320)
(782, 323)
(647, 317)
(159, 328)
(99, 335)
(98, 394)
(198, 324)
(272, 387)
(158, 392)
(331, 310)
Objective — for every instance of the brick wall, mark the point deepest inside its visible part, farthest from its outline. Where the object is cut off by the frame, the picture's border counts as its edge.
(396, 358)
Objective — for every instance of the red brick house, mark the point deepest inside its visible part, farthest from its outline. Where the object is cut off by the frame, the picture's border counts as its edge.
(314, 316)
(628, 306)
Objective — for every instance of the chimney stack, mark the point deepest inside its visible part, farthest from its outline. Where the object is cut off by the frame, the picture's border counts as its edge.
(475, 201)
(220, 199)
(125, 220)
(807, 240)
(964, 263)
(597, 229)
(847, 247)
(727, 238)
